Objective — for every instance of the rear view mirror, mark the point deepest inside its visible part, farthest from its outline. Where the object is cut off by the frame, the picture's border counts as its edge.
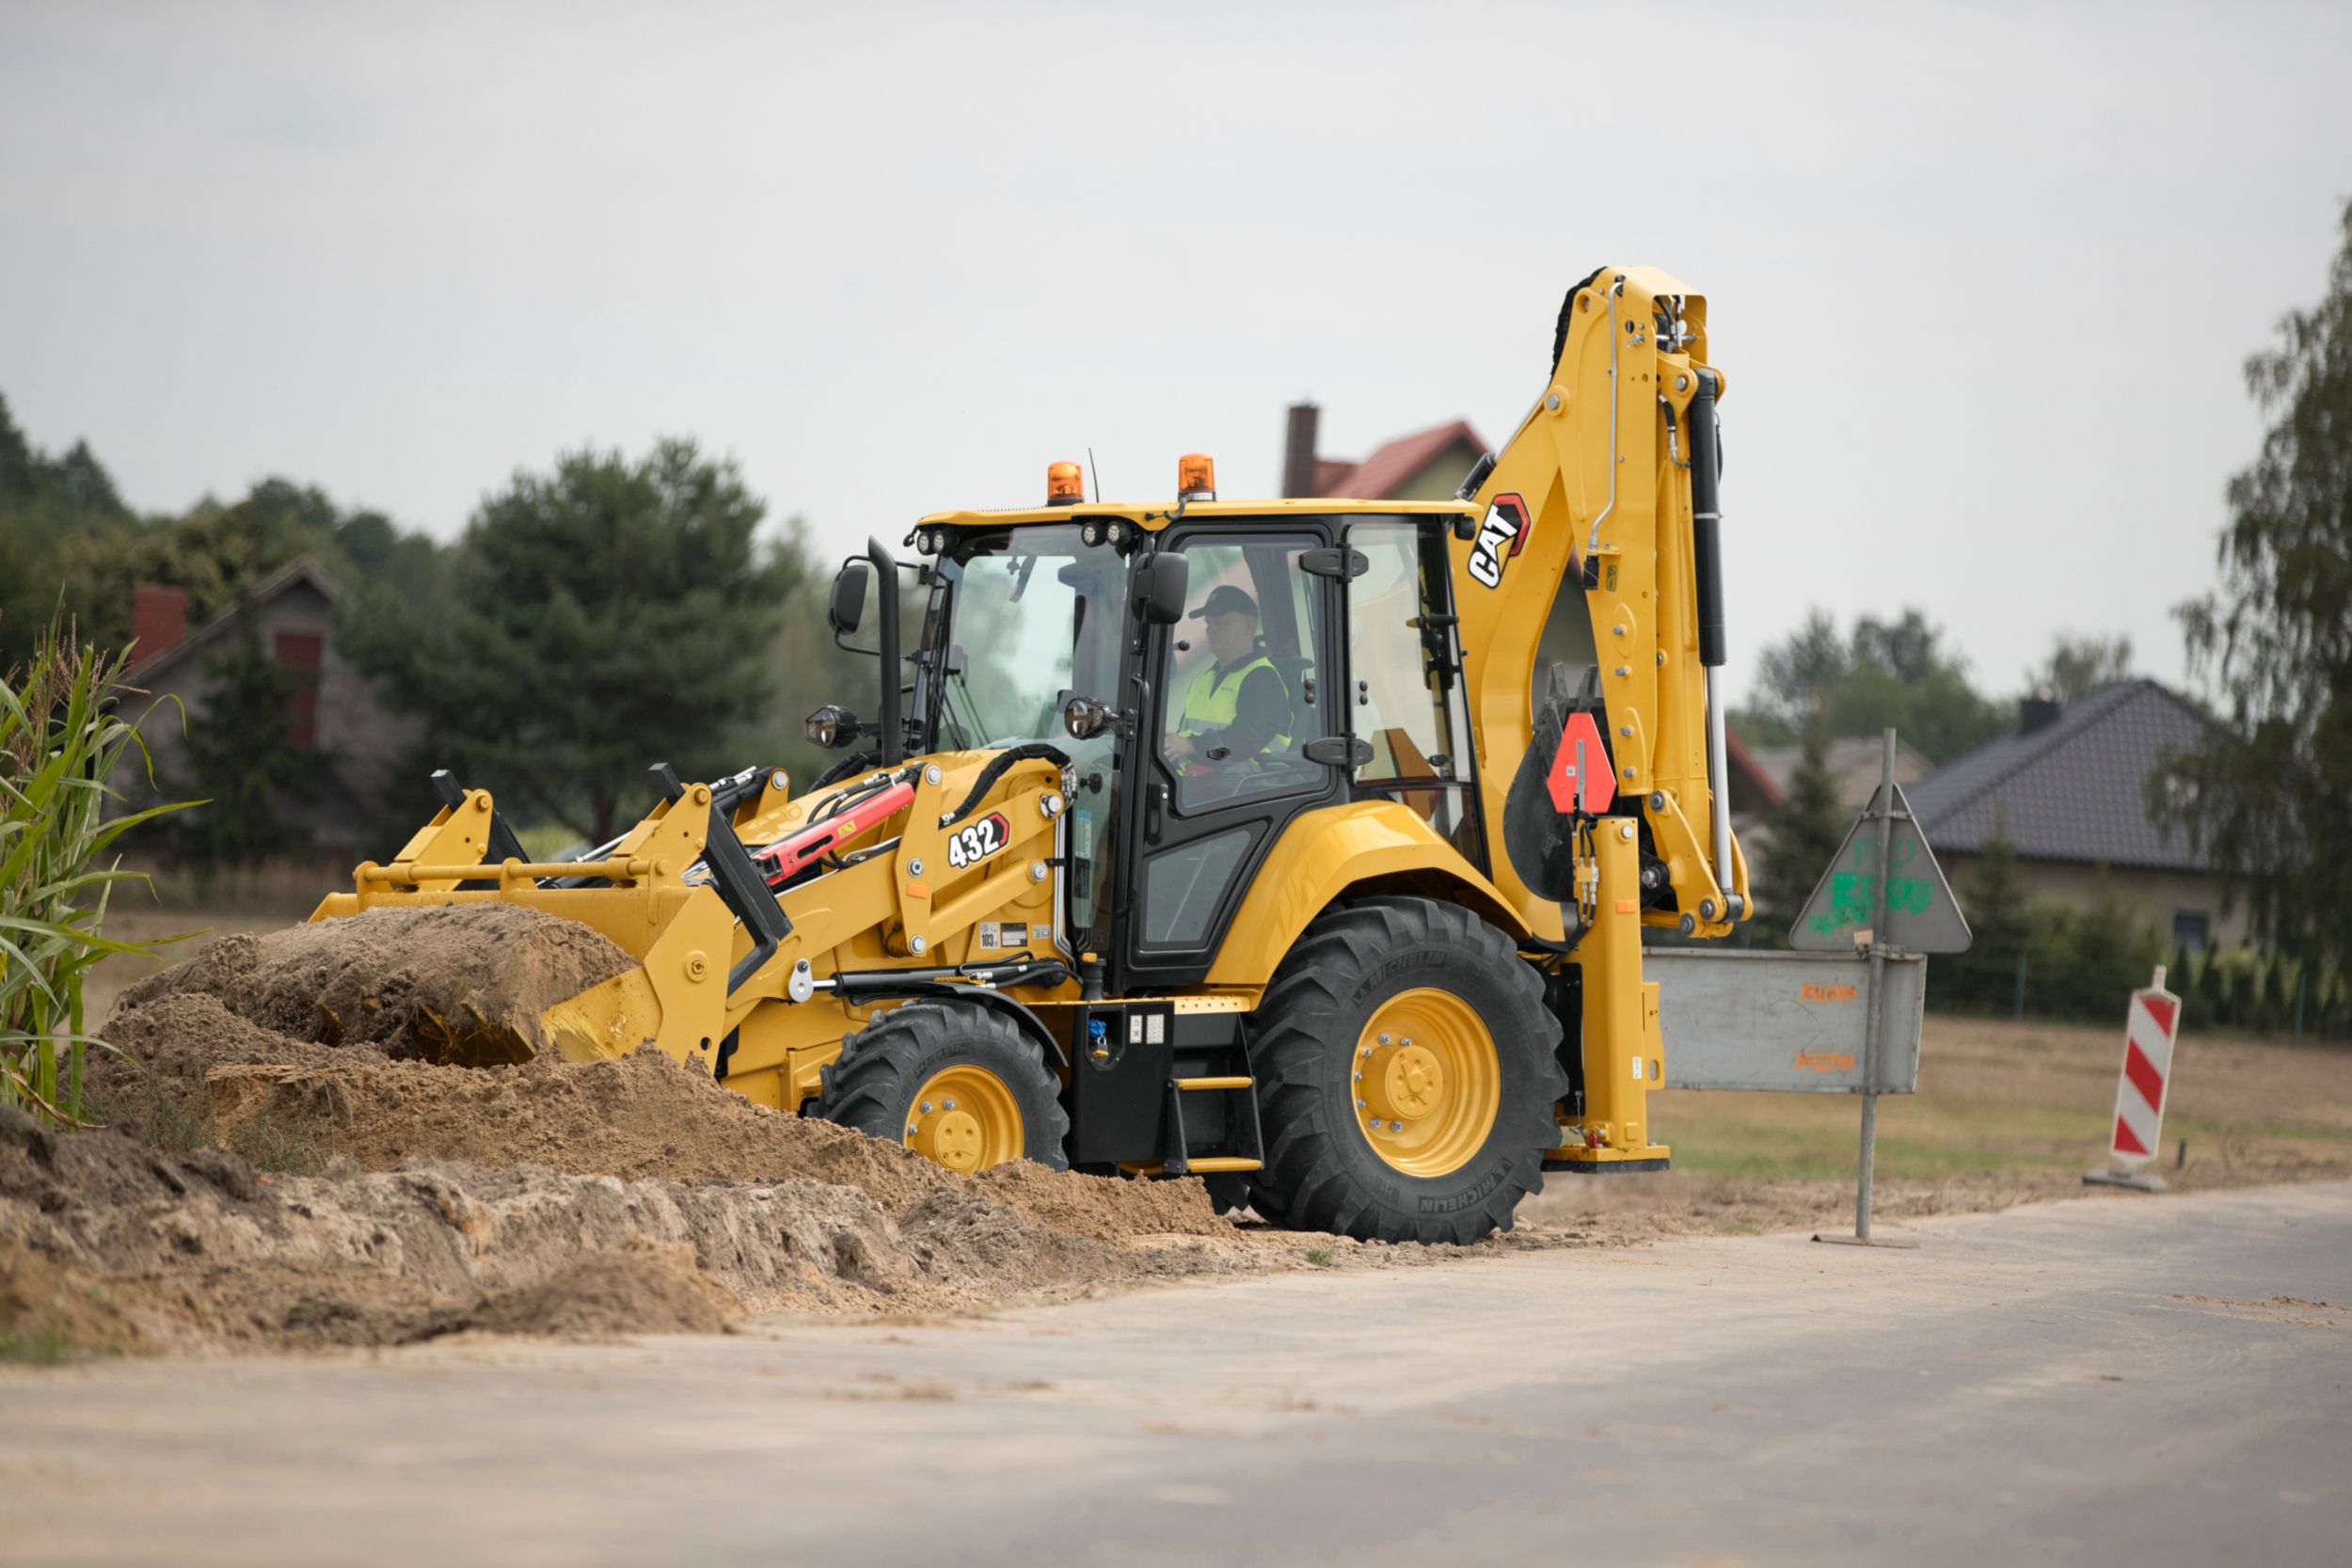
(1160, 584)
(846, 606)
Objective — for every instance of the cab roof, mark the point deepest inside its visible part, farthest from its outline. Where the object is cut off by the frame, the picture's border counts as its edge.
(1154, 514)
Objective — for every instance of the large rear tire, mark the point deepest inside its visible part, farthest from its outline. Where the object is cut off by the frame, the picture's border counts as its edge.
(1406, 1076)
(955, 1082)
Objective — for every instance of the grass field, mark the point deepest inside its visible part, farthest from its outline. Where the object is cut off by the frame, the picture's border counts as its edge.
(2006, 1112)
(2002, 1096)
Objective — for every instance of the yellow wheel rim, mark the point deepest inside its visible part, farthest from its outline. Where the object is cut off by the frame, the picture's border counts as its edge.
(967, 1118)
(1427, 1084)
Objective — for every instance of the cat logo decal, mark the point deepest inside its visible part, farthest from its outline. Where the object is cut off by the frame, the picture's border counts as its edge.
(1506, 525)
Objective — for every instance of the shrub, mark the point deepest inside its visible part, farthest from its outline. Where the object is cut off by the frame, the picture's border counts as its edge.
(2078, 965)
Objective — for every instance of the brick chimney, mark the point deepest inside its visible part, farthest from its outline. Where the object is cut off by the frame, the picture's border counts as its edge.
(2036, 711)
(1298, 451)
(159, 619)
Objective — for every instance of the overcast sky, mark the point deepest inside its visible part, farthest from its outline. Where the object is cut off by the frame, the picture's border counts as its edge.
(1980, 276)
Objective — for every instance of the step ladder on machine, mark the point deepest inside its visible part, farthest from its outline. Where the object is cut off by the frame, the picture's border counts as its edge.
(1231, 1078)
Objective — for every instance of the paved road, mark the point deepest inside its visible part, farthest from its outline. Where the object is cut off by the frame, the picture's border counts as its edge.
(2115, 1381)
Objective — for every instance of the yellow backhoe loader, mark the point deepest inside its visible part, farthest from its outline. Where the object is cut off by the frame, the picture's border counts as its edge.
(1302, 846)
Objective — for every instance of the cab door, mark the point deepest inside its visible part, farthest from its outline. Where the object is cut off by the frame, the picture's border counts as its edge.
(1403, 698)
(1203, 823)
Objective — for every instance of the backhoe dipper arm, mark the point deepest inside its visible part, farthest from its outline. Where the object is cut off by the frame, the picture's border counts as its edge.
(1610, 483)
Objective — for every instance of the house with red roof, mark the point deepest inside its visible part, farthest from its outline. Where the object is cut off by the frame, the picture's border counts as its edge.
(334, 716)
(1427, 466)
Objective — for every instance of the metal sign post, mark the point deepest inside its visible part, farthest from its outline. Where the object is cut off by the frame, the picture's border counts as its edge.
(1887, 876)
(1842, 1013)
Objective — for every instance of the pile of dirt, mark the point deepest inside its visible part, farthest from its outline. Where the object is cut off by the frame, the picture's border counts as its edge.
(632, 1116)
(636, 1117)
(221, 1049)
(640, 1287)
(110, 1243)
(406, 1190)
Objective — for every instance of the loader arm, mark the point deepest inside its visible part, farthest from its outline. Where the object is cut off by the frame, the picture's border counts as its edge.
(1599, 487)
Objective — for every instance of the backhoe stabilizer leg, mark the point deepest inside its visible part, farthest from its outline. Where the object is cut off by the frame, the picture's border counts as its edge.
(1623, 1058)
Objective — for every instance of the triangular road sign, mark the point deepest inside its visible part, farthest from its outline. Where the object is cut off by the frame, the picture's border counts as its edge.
(1922, 916)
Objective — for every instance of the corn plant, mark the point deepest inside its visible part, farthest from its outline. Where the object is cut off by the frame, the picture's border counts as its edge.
(60, 742)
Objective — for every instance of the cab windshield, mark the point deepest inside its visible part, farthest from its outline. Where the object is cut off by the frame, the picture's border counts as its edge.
(1031, 616)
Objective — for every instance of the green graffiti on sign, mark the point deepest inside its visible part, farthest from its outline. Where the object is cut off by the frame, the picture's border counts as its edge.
(1853, 886)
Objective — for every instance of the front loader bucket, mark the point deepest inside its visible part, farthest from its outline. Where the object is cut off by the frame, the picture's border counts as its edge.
(681, 934)
(609, 1020)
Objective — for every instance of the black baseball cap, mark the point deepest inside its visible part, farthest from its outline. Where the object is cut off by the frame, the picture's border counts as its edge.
(1225, 599)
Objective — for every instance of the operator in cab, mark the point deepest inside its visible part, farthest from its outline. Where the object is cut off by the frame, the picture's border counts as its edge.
(1236, 709)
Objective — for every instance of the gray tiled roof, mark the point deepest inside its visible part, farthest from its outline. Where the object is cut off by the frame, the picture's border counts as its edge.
(1854, 765)
(2073, 790)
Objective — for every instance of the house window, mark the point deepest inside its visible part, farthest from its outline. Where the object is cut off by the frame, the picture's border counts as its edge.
(298, 653)
(2191, 929)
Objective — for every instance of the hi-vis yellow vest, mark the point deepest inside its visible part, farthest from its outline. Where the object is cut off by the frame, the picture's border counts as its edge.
(1212, 704)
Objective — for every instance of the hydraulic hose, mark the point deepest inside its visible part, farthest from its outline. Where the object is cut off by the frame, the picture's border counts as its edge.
(995, 769)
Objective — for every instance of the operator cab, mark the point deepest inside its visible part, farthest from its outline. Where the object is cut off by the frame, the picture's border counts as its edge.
(1212, 670)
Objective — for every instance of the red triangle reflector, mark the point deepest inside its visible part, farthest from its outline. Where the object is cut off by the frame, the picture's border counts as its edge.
(1601, 788)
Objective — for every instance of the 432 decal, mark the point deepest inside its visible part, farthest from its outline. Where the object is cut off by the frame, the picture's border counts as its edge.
(978, 840)
(1499, 538)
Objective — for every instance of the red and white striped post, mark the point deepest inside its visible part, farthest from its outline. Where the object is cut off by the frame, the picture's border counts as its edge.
(2149, 1028)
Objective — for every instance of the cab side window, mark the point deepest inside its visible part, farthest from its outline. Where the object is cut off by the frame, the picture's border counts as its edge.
(1242, 678)
(1400, 696)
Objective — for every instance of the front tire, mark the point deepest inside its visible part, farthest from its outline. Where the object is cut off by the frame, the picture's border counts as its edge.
(1407, 1074)
(958, 1082)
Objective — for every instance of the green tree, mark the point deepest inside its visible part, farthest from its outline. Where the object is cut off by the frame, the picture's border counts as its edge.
(593, 621)
(1807, 825)
(1984, 979)
(2077, 663)
(2268, 798)
(1897, 673)
(217, 552)
(241, 765)
(18, 472)
(47, 507)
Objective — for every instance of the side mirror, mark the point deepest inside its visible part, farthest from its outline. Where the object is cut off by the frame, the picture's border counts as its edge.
(1160, 584)
(1084, 718)
(832, 727)
(844, 606)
